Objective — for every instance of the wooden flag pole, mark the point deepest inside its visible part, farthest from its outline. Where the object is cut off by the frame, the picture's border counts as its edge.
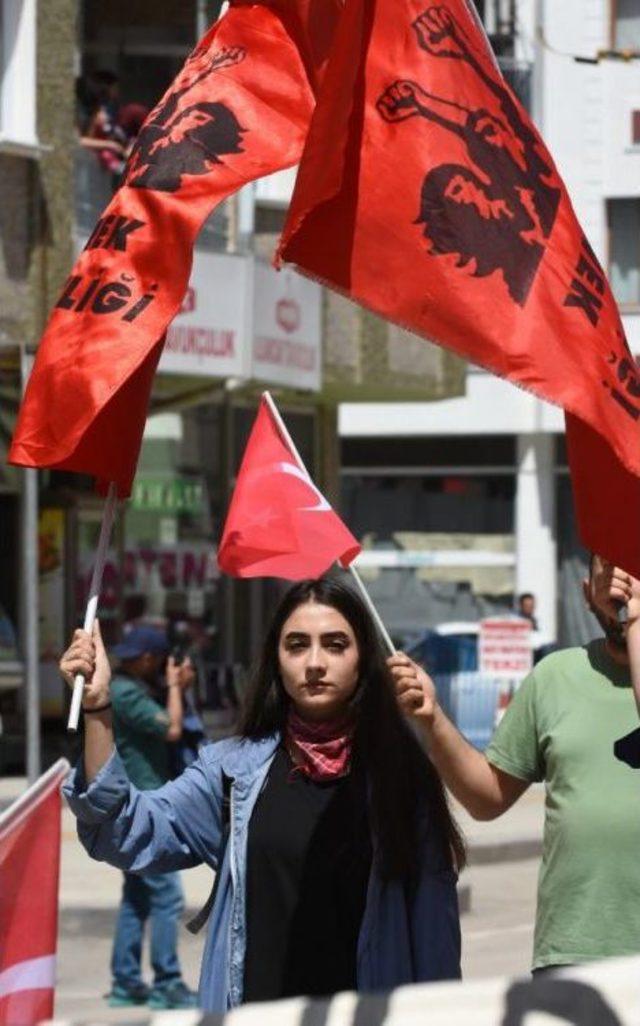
(364, 594)
(108, 517)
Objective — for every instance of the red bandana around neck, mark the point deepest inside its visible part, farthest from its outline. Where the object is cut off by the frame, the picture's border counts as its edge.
(320, 751)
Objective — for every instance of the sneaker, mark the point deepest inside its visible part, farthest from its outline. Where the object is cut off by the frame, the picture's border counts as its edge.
(122, 995)
(173, 995)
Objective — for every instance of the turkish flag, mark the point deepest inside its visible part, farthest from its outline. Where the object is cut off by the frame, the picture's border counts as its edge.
(238, 110)
(426, 193)
(29, 869)
(279, 524)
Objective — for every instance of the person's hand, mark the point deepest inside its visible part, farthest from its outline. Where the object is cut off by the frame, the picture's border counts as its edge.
(415, 691)
(87, 655)
(180, 675)
(401, 100)
(187, 673)
(609, 588)
(438, 33)
(633, 603)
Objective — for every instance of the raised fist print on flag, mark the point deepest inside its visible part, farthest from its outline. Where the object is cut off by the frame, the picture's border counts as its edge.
(426, 193)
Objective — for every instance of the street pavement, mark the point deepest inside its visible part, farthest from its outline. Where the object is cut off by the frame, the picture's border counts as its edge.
(497, 928)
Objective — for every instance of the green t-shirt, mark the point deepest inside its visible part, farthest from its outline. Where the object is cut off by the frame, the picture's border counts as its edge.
(140, 730)
(561, 728)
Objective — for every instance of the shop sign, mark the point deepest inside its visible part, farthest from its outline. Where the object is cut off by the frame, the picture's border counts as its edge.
(208, 336)
(151, 570)
(286, 329)
(167, 495)
(505, 647)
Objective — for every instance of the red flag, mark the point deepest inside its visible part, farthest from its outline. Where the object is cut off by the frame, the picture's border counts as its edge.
(426, 193)
(29, 869)
(279, 524)
(239, 109)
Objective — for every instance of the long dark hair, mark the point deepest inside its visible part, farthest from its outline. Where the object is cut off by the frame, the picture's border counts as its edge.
(403, 782)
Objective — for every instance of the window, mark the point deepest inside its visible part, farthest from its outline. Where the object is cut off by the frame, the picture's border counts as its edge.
(626, 24)
(624, 250)
(18, 74)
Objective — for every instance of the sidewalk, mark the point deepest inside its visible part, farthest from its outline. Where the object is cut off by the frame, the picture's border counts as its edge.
(515, 835)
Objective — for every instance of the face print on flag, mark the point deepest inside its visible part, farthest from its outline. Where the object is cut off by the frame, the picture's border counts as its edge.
(495, 211)
(186, 134)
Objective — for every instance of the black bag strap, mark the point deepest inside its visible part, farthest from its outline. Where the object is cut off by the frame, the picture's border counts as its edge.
(197, 922)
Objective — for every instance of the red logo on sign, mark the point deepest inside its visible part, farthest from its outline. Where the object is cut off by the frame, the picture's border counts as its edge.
(288, 314)
(635, 127)
(189, 302)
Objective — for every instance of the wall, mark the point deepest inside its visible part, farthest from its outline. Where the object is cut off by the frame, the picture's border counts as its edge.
(35, 215)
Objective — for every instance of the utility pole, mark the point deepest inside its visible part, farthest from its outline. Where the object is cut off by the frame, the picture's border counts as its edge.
(30, 598)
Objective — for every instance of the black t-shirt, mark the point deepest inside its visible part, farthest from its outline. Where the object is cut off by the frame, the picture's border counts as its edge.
(308, 861)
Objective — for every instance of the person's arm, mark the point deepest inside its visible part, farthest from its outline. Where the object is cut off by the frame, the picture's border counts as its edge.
(176, 682)
(90, 143)
(484, 790)
(87, 655)
(173, 827)
(633, 638)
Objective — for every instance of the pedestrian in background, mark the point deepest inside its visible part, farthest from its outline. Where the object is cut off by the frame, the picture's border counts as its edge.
(527, 608)
(145, 707)
(328, 827)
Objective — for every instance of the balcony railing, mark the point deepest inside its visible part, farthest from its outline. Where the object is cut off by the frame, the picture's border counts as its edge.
(93, 189)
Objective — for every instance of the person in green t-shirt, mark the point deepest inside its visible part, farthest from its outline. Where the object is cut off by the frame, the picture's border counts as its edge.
(147, 712)
(561, 728)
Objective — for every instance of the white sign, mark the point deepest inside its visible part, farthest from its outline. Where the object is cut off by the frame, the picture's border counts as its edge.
(504, 647)
(287, 328)
(208, 337)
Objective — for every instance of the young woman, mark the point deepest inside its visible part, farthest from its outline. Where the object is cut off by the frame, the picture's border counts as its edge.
(325, 822)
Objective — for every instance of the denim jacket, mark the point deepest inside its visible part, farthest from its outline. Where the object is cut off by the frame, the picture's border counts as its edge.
(404, 937)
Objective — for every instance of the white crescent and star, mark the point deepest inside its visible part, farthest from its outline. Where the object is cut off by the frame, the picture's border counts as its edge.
(291, 469)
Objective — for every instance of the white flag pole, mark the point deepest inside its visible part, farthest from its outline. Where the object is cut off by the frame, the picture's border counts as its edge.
(108, 517)
(364, 594)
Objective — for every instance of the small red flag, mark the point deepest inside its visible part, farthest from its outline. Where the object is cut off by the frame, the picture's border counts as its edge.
(29, 870)
(426, 193)
(279, 524)
(239, 109)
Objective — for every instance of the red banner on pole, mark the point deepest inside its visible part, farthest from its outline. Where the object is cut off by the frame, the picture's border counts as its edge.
(426, 193)
(238, 110)
(29, 871)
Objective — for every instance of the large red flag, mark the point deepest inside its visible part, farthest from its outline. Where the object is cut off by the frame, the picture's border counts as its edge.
(279, 524)
(29, 869)
(426, 193)
(239, 109)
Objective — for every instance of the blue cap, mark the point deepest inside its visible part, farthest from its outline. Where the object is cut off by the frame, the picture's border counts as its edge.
(139, 640)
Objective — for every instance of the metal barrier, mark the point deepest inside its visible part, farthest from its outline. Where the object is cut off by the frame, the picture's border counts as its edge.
(470, 699)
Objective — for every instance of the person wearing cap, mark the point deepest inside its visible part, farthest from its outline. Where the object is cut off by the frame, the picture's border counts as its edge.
(146, 719)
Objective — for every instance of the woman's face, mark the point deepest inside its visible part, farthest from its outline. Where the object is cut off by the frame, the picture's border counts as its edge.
(319, 658)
